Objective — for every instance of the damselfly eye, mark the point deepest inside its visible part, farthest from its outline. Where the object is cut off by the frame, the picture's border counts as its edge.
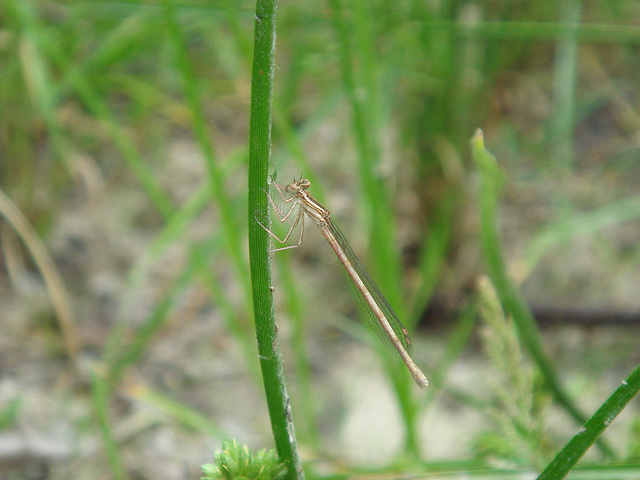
(293, 188)
(304, 184)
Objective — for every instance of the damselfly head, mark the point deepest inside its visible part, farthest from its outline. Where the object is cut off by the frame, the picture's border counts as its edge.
(298, 186)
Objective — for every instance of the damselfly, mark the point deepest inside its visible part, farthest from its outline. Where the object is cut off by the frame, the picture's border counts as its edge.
(375, 307)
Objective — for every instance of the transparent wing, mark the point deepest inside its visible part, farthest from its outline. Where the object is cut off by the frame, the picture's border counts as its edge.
(365, 311)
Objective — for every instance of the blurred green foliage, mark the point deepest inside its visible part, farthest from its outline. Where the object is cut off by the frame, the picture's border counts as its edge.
(378, 99)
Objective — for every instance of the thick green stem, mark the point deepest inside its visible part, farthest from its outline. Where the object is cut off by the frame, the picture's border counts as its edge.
(259, 157)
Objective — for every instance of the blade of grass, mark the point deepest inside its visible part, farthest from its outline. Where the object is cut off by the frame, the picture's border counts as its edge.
(360, 89)
(293, 138)
(100, 396)
(564, 462)
(230, 228)
(490, 179)
(38, 76)
(281, 124)
(578, 224)
(564, 92)
(55, 284)
(181, 412)
(259, 156)
(360, 86)
(563, 119)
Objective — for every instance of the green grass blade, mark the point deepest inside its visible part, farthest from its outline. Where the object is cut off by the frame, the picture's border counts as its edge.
(178, 410)
(259, 156)
(100, 394)
(565, 91)
(562, 464)
(585, 223)
(230, 228)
